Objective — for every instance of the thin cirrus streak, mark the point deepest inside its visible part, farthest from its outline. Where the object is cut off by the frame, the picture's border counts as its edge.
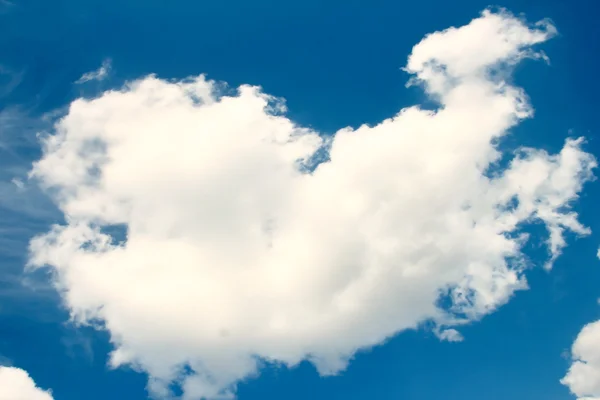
(239, 249)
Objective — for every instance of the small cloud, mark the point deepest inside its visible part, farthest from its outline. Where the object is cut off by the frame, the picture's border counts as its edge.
(450, 335)
(97, 75)
(18, 183)
(583, 376)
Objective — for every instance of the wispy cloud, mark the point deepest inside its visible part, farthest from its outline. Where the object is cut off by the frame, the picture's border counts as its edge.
(78, 342)
(5, 4)
(97, 75)
(18, 132)
(24, 210)
(9, 78)
(19, 145)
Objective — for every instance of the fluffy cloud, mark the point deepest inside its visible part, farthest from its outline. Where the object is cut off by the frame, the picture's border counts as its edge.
(16, 384)
(243, 244)
(583, 377)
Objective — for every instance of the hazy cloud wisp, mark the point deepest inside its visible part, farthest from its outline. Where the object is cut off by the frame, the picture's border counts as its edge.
(100, 74)
(583, 377)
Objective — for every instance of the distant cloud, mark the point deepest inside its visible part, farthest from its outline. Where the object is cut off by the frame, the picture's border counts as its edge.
(9, 79)
(18, 183)
(239, 248)
(97, 75)
(16, 384)
(451, 335)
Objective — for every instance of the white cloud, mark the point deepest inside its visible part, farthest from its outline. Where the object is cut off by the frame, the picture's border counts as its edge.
(450, 335)
(236, 249)
(16, 384)
(97, 75)
(583, 377)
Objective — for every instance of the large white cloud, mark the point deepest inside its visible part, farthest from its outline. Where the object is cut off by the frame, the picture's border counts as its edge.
(16, 384)
(240, 246)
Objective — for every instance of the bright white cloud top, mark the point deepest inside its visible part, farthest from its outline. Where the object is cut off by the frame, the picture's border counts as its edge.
(239, 248)
(583, 377)
(16, 384)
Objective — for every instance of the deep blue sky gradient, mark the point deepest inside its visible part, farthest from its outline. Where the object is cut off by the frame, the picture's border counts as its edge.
(337, 63)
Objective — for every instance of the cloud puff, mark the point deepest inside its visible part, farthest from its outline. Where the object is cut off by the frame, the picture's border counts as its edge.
(243, 245)
(451, 335)
(16, 384)
(583, 377)
(97, 75)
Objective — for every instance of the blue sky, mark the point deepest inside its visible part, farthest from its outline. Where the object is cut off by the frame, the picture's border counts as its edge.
(337, 64)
